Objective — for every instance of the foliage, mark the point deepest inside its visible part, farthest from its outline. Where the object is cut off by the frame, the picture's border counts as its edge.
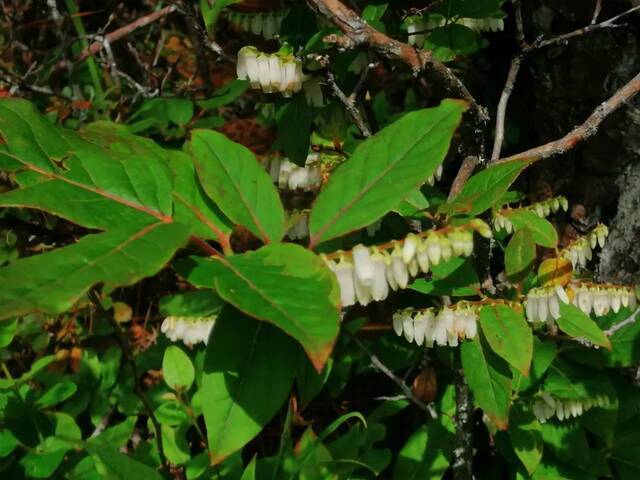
(169, 324)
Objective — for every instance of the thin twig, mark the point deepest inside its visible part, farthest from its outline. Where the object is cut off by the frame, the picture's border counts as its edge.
(462, 463)
(501, 112)
(123, 342)
(583, 131)
(596, 11)
(121, 32)
(464, 173)
(375, 361)
(620, 325)
(349, 105)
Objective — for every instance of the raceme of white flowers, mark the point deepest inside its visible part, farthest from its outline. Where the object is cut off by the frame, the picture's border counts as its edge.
(368, 274)
(191, 330)
(580, 251)
(432, 327)
(542, 209)
(543, 304)
(270, 72)
(265, 24)
(601, 299)
(546, 406)
(425, 25)
(288, 175)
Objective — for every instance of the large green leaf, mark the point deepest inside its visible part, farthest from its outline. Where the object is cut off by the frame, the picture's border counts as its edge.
(525, 433)
(284, 284)
(508, 334)
(98, 178)
(118, 466)
(246, 378)
(576, 323)
(485, 189)
(383, 170)
(52, 282)
(233, 178)
(177, 369)
(294, 122)
(426, 453)
(520, 254)
(489, 380)
(543, 232)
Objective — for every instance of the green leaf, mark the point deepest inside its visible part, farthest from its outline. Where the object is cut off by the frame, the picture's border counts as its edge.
(99, 178)
(118, 466)
(426, 453)
(576, 323)
(211, 11)
(489, 380)
(237, 183)
(247, 377)
(52, 282)
(452, 40)
(543, 232)
(283, 284)
(508, 334)
(469, 8)
(177, 369)
(179, 110)
(485, 189)
(225, 94)
(250, 472)
(383, 170)
(8, 330)
(543, 354)
(525, 433)
(456, 277)
(567, 382)
(294, 121)
(520, 254)
(199, 303)
(56, 394)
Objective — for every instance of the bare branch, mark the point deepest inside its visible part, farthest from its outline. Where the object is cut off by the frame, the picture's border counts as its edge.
(349, 105)
(501, 113)
(358, 33)
(618, 326)
(596, 11)
(584, 131)
(464, 172)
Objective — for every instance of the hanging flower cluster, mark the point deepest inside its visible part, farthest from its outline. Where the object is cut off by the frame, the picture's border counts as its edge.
(300, 229)
(436, 177)
(601, 299)
(367, 274)
(543, 209)
(265, 24)
(270, 72)
(543, 304)
(437, 327)
(580, 251)
(191, 330)
(546, 407)
(424, 25)
(288, 175)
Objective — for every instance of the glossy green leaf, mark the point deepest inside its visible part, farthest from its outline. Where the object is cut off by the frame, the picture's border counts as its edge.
(177, 369)
(489, 380)
(118, 466)
(283, 284)
(456, 277)
(56, 394)
(543, 232)
(426, 453)
(484, 190)
(525, 433)
(8, 330)
(383, 170)
(250, 472)
(246, 379)
(508, 334)
(198, 303)
(225, 94)
(543, 354)
(294, 121)
(52, 282)
(576, 323)
(232, 177)
(520, 254)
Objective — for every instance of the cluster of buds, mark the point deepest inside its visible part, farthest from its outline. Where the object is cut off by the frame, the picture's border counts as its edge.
(601, 299)
(580, 251)
(265, 24)
(432, 327)
(300, 229)
(543, 304)
(288, 175)
(368, 274)
(191, 330)
(436, 177)
(546, 406)
(270, 72)
(543, 209)
(418, 27)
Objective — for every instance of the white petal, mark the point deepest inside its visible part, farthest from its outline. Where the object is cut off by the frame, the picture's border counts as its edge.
(363, 292)
(409, 248)
(543, 308)
(344, 274)
(380, 287)
(363, 265)
(433, 249)
(419, 327)
(407, 327)
(397, 323)
(554, 307)
(561, 294)
(400, 272)
(423, 259)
